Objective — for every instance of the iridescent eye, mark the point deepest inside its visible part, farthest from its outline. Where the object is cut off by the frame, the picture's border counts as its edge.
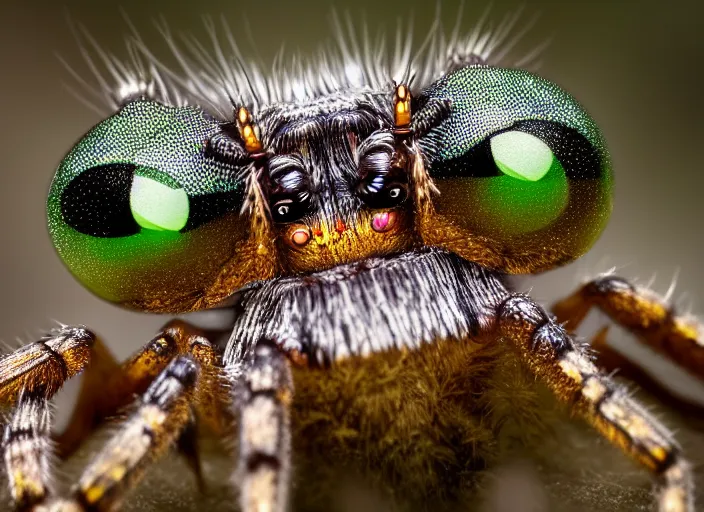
(521, 169)
(141, 213)
(529, 192)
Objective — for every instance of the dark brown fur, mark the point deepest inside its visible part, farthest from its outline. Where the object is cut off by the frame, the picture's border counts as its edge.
(416, 426)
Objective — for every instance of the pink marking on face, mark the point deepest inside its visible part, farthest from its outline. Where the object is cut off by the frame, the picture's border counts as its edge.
(300, 237)
(384, 221)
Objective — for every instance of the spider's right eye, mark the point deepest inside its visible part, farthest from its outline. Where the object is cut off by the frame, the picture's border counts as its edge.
(141, 213)
(381, 183)
(523, 175)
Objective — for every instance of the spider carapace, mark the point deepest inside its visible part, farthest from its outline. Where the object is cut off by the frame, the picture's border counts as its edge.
(363, 230)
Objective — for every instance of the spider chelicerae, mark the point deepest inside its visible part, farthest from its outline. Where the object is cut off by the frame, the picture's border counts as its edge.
(362, 228)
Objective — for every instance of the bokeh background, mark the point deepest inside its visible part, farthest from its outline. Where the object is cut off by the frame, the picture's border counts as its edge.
(636, 66)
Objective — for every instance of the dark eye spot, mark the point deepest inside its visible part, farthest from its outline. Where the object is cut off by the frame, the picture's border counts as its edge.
(288, 188)
(282, 210)
(97, 201)
(381, 183)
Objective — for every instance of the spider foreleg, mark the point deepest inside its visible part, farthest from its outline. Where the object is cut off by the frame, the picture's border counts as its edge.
(643, 313)
(161, 416)
(265, 445)
(26, 448)
(42, 367)
(109, 386)
(552, 355)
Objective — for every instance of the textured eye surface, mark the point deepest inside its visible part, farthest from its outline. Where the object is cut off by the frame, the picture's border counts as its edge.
(520, 163)
(138, 210)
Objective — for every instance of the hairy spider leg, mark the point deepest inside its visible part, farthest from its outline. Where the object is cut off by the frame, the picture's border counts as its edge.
(42, 367)
(553, 356)
(611, 360)
(109, 386)
(161, 415)
(26, 447)
(266, 394)
(641, 312)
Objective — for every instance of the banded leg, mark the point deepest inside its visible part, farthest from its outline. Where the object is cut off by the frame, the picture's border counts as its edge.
(265, 444)
(26, 449)
(643, 313)
(109, 386)
(550, 353)
(42, 367)
(163, 413)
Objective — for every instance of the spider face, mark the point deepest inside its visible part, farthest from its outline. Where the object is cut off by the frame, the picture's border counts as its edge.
(165, 208)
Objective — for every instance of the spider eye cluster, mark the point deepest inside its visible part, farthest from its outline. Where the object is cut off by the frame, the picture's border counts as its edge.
(289, 189)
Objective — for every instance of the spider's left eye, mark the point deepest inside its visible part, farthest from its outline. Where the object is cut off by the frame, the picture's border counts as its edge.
(288, 189)
(141, 213)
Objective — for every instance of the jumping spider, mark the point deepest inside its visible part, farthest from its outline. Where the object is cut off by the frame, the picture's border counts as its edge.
(363, 229)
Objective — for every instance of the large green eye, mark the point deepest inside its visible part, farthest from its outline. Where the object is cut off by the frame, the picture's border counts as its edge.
(531, 190)
(140, 214)
(521, 169)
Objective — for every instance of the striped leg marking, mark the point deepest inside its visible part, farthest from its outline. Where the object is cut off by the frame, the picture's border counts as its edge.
(644, 314)
(566, 368)
(162, 414)
(42, 367)
(265, 444)
(177, 372)
(26, 447)
(108, 386)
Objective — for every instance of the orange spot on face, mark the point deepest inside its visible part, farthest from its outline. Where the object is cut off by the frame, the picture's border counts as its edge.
(300, 237)
(318, 232)
(340, 226)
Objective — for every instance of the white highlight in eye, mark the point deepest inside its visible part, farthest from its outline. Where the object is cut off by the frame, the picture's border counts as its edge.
(158, 207)
(521, 155)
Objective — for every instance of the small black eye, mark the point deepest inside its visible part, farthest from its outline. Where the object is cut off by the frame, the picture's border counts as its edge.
(282, 209)
(288, 188)
(382, 183)
(385, 188)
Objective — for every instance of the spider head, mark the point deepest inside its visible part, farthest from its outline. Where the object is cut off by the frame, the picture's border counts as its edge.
(333, 191)
(164, 208)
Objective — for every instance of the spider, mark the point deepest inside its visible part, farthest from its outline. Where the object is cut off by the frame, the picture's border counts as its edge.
(363, 230)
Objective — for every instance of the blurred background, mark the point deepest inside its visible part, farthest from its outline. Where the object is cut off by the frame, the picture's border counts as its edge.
(635, 66)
